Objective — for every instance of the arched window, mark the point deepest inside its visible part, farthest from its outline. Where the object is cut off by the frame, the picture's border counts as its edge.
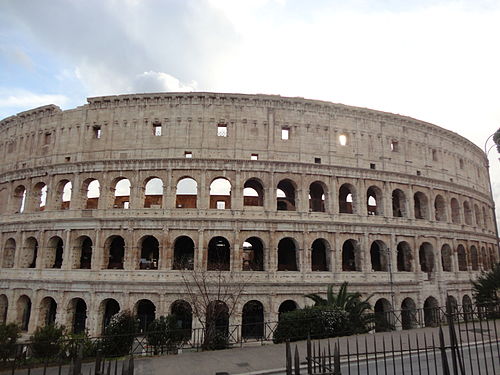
(23, 309)
(153, 193)
(107, 309)
(408, 314)
(285, 196)
(467, 213)
(19, 199)
(485, 259)
(350, 258)
(146, 313)
(186, 193)
(54, 254)
(446, 259)
(374, 203)
(451, 304)
(317, 197)
(47, 312)
(122, 193)
(150, 253)
(378, 256)
(183, 316)
(405, 257)
(421, 206)
(77, 314)
(253, 193)
(29, 253)
(63, 195)
(286, 306)
(426, 257)
(9, 253)
(217, 318)
(183, 253)
(384, 316)
(319, 255)
(486, 218)
(252, 325)
(219, 254)
(83, 254)
(40, 196)
(92, 191)
(467, 307)
(474, 258)
(398, 203)
(220, 194)
(477, 213)
(346, 199)
(455, 211)
(431, 312)
(253, 254)
(287, 255)
(4, 306)
(462, 258)
(439, 208)
(115, 246)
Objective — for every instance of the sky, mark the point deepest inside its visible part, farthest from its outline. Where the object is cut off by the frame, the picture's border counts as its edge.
(437, 61)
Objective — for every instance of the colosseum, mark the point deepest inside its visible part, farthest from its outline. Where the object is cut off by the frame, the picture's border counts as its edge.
(106, 206)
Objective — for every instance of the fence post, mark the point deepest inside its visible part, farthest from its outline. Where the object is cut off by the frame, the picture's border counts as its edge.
(336, 359)
(97, 368)
(442, 348)
(297, 361)
(288, 358)
(309, 359)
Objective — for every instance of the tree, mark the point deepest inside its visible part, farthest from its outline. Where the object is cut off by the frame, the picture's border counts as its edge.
(351, 303)
(120, 333)
(9, 333)
(496, 139)
(486, 288)
(213, 296)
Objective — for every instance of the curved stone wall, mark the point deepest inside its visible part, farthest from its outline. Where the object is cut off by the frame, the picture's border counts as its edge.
(120, 199)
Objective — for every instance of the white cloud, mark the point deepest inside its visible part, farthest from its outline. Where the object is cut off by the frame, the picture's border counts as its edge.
(159, 81)
(18, 98)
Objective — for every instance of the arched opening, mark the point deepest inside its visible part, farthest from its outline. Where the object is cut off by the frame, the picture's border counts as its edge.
(378, 256)
(85, 251)
(183, 316)
(63, 195)
(92, 191)
(186, 193)
(219, 254)
(285, 196)
(217, 316)
(252, 325)
(439, 208)
(253, 254)
(408, 314)
(116, 252)
(398, 203)
(153, 193)
(122, 193)
(374, 203)
(286, 306)
(77, 314)
(431, 312)
(405, 257)
(426, 257)
(287, 255)
(317, 197)
(23, 312)
(462, 258)
(486, 218)
(493, 258)
(109, 307)
(253, 193)
(183, 253)
(467, 213)
(421, 206)
(452, 306)
(350, 260)
(384, 316)
(19, 199)
(4, 306)
(54, 255)
(346, 199)
(29, 253)
(319, 255)
(150, 253)
(455, 211)
(9, 253)
(220, 194)
(48, 310)
(485, 259)
(474, 258)
(467, 307)
(40, 196)
(146, 313)
(477, 214)
(446, 259)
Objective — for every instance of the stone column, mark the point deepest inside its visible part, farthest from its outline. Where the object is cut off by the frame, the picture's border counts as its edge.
(237, 193)
(67, 251)
(199, 261)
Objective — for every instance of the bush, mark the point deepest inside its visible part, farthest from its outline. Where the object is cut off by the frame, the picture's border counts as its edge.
(315, 321)
(163, 334)
(75, 342)
(9, 333)
(47, 341)
(119, 334)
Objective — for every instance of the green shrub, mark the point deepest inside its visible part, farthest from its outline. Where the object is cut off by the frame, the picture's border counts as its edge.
(163, 334)
(47, 341)
(119, 334)
(9, 333)
(80, 341)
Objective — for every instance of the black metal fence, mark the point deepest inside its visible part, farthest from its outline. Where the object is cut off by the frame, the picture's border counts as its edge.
(466, 341)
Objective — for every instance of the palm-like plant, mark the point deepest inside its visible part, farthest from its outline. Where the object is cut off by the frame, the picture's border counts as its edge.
(356, 309)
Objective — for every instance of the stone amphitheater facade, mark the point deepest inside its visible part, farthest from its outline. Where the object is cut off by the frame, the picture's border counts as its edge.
(296, 193)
